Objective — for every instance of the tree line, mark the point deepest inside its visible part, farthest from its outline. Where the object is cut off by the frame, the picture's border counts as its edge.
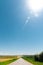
(39, 57)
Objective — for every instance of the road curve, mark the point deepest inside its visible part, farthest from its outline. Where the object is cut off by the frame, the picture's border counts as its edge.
(21, 62)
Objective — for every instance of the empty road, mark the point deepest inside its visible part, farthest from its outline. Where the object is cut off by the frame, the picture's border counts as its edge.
(21, 62)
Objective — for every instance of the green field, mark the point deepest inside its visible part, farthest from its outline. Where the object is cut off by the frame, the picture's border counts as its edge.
(7, 62)
(32, 60)
(13, 58)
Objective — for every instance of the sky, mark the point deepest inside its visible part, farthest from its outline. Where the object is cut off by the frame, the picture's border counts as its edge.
(21, 31)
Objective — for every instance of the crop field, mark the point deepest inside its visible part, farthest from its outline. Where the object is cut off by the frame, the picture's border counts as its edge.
(5, 60)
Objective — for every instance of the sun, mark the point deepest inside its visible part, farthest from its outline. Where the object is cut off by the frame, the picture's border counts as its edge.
(35, 5)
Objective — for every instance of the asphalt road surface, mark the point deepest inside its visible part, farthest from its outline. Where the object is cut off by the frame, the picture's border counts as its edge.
(20, 62)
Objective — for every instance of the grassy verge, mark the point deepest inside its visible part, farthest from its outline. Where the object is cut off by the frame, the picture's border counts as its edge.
(31, 60)
(7, 62)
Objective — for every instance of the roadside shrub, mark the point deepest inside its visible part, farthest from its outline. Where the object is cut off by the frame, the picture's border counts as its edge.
(36, 57)
(41, 57)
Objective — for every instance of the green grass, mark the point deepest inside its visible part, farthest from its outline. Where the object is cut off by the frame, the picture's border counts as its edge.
(7, 62)
(31, 60)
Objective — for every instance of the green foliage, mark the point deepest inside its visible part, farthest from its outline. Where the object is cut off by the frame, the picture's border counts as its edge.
(36, 58)
(41, 57)
(31, 60)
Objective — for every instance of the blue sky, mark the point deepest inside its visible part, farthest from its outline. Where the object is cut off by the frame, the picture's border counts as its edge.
(16, 37)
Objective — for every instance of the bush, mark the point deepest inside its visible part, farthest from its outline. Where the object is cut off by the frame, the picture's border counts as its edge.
(36, 57)
(41, 57)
